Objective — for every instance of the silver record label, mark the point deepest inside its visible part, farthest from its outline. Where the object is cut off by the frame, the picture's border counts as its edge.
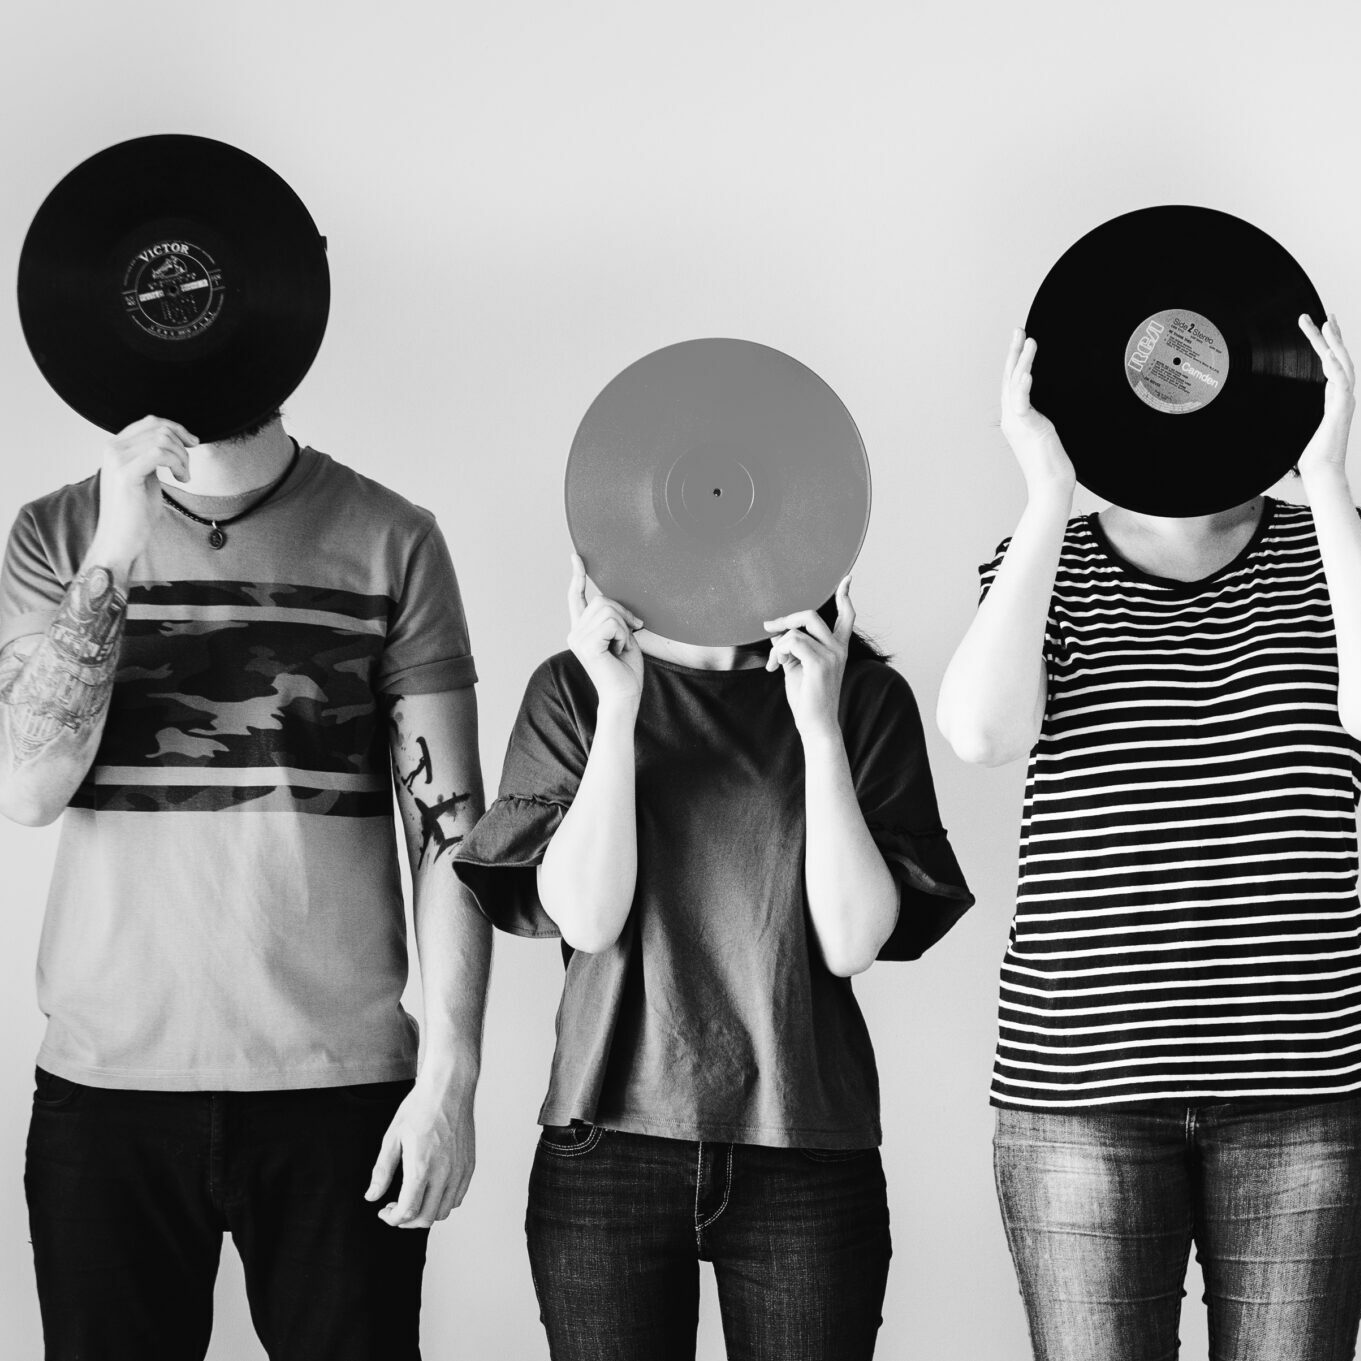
(1176, 361)
(172, 290)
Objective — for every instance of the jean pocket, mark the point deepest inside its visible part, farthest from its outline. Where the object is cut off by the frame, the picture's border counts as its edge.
(834, 1155)
(51, 1091)
(569, 1141)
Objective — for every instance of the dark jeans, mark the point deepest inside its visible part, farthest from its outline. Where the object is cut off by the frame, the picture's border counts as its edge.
(130, 1192)
(1101, 1210)
(618, 1224)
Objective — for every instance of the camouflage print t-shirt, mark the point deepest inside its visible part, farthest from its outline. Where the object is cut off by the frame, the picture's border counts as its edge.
(225, 911)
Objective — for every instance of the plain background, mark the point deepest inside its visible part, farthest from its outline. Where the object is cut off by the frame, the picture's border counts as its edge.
(521, 199)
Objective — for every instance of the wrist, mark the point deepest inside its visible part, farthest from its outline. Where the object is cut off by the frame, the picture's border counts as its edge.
(616, 711)
(1320, 479)
(115, 558)
(823, 745)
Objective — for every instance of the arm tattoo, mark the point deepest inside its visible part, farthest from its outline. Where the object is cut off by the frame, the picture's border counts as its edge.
(436, 820)
(65, 684)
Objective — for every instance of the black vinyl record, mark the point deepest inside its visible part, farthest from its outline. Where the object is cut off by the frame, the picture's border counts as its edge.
(175, 276)
(1171, 361)
(716, 484)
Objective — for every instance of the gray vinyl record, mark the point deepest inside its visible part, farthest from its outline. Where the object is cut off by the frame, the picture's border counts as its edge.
(715, 484)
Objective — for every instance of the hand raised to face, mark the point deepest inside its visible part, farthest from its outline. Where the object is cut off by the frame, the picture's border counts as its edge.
(813, 657)
(601, 638)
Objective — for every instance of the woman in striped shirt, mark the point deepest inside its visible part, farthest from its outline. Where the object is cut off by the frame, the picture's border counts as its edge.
(1179, 1054)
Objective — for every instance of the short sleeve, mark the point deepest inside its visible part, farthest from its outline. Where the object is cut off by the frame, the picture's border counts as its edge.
(987, 574)
(31, 589)
(545, 760)
(893, 785)
(427, 649)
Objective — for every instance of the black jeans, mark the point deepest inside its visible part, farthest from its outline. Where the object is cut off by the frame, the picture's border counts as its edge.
(618, 1224)
(130, 1192)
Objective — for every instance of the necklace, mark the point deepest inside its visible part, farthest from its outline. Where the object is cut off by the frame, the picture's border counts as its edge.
(216, 537)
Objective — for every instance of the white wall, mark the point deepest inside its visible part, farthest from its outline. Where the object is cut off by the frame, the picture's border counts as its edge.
(523, 197)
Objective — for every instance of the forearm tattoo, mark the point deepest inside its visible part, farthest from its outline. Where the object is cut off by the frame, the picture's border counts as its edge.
(433, 821)
(65, 683)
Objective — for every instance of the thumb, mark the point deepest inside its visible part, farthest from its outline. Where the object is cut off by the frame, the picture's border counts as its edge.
(389, 1155)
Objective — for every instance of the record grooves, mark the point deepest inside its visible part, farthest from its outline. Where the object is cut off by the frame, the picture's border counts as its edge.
(1171, 361)
(175, 276)
(716, 484)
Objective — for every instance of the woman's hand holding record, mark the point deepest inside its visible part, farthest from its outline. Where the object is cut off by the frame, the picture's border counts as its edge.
(1032, 435)
(602, 640)
(814, 660)
(1328, 447)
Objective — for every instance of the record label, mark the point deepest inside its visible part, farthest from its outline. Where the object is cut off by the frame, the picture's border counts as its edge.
(177, 275)
(1177, 361)
(172, 290)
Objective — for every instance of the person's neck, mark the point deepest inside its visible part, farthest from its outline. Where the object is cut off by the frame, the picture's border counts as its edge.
(695, 656)
(1183, 548)
(232, 467)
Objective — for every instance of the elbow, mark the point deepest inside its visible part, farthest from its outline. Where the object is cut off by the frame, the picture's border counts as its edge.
(587, 938)
(1349, 714)
(26, 810)
(25, 801)
(846, 963)
(978, 747)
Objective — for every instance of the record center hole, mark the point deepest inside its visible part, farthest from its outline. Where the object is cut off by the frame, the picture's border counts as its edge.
(718, 491)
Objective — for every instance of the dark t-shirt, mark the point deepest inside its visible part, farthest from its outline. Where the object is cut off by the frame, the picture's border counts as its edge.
(713, 1016)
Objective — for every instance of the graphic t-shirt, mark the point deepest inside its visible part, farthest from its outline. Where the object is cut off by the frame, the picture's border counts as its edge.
(1187, 924)
(713, 1016)
(225, 910)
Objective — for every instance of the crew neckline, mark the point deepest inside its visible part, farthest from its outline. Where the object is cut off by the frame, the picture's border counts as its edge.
(1103, 541)
(221, 507)
(706, 672)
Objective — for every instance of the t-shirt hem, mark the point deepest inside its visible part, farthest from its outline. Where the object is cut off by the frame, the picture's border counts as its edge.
(224, 1079)
(767, 1136)
(1193, 1097)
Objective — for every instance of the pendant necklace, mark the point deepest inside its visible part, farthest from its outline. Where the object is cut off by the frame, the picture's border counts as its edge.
(216, 536)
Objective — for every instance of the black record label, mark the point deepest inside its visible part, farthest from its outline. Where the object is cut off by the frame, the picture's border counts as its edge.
(172, 290)
(176, 275)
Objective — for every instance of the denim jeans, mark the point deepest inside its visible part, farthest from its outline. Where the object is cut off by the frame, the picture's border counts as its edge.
(130, 1192)
(618, 1224)
(1101, 1209)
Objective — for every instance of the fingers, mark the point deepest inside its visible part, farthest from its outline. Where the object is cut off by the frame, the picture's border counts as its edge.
(605, 623)
(795, 648)
(417, 1196)
(845, 613)
(1332, 333)
(1018, 389)
(1327, 344)
(148, 423)
(808, 620)
(389, 1154)
(579, 607)
(1013, 354)
(576, 589)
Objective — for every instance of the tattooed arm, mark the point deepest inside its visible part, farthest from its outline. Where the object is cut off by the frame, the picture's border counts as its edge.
(54, 695)
(55, 687)
(433, 740)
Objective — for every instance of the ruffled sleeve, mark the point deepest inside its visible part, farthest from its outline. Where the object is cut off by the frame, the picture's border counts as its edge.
(499, 858)
(892, 774)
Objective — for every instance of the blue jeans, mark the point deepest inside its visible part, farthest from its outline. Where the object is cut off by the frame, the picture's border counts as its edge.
(1101, 1209)
(618, 1224)
(130, 1193)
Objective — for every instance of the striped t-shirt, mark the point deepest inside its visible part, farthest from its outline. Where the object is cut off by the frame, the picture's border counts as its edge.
(1186, 919)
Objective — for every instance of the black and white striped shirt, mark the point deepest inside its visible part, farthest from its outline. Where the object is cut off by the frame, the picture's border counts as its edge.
(1187, 923)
